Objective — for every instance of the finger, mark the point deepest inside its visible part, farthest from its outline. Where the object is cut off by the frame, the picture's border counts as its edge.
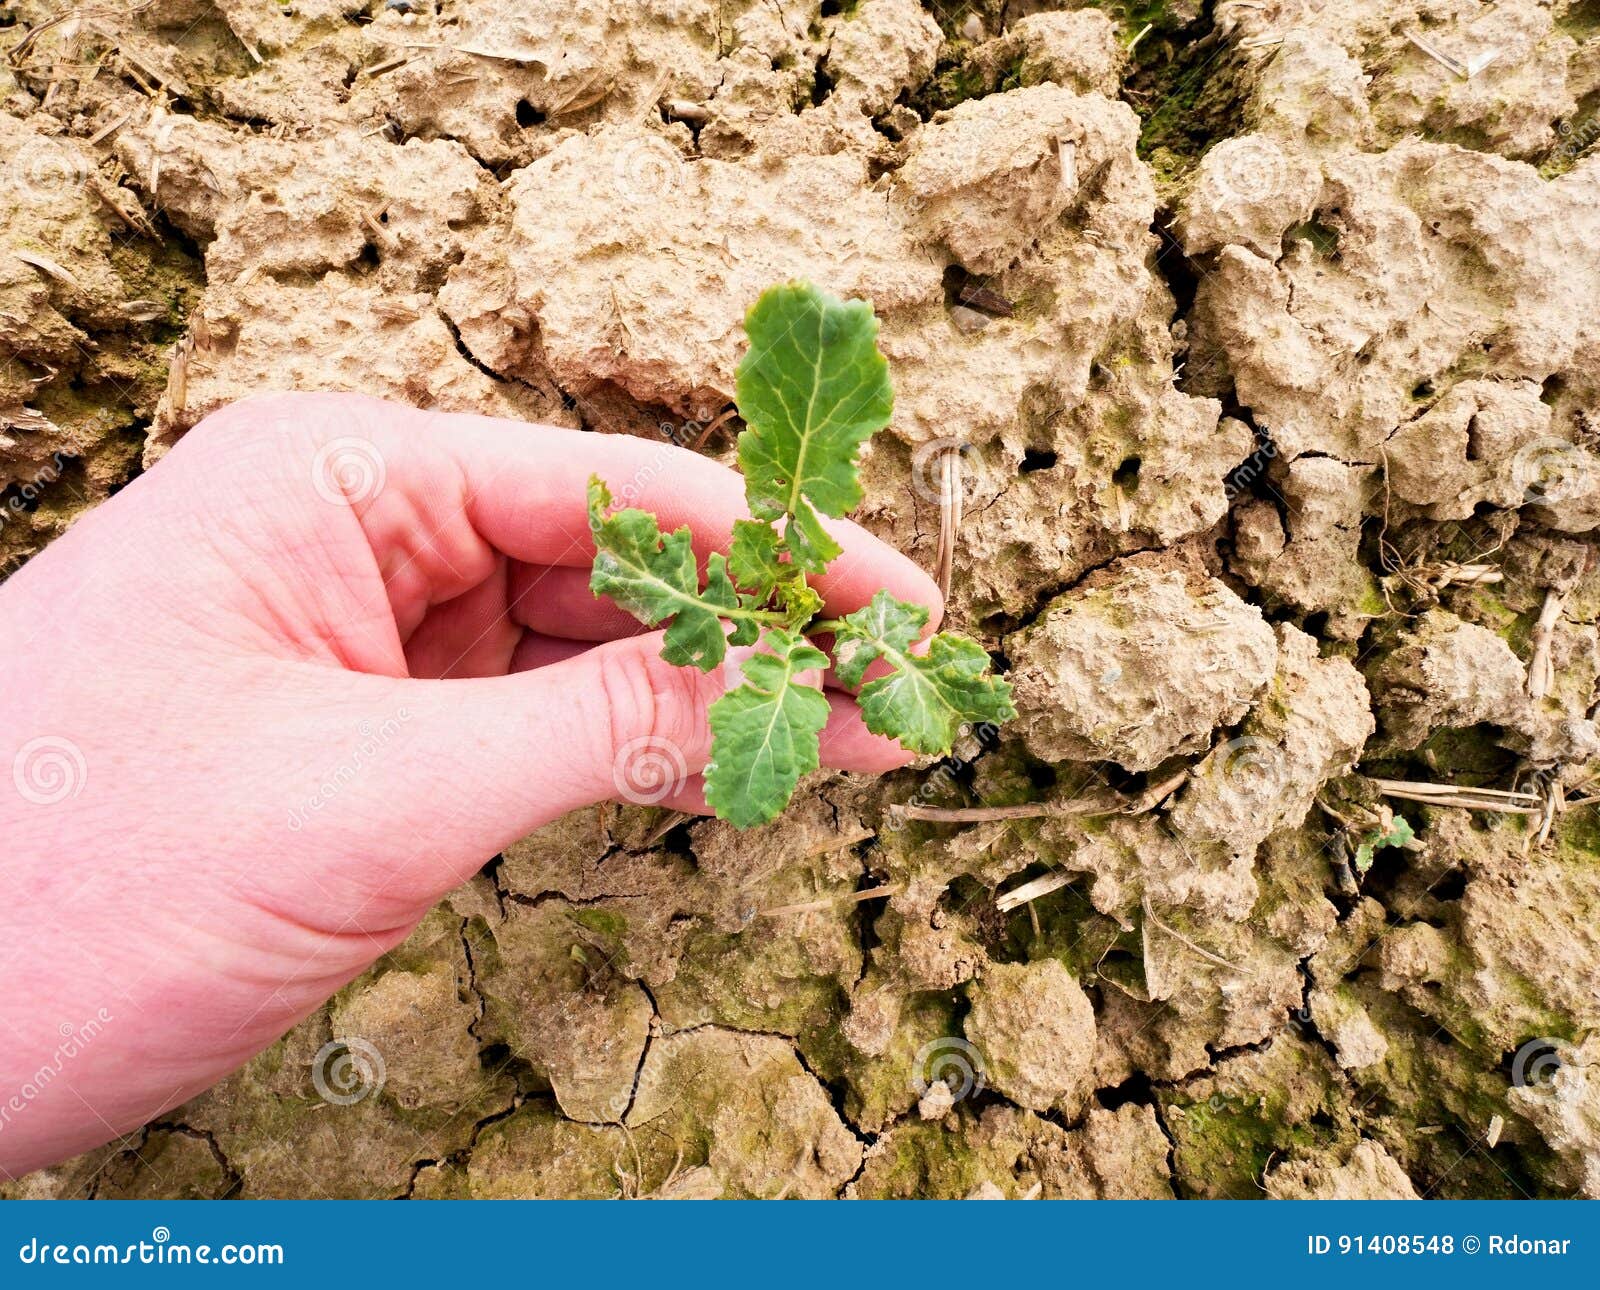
(526, 489)
(471, 635)
(508, 754)
(844, 743)
(688, 797)
(557, 602)
(477, 764)
(847, 744)
(534, 650)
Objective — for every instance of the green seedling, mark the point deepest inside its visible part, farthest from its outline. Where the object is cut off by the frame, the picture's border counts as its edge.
(812, 389)
(1396, 835)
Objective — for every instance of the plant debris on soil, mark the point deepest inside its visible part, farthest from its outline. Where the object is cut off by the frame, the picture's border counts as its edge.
(1247, 371)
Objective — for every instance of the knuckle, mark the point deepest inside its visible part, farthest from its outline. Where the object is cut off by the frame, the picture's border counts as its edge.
(281, 413)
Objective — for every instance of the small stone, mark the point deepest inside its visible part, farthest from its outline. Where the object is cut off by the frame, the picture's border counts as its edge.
(1034, 1026)
(936, 1101)
(1140, 666)
(1368, 1173)
(968, 320)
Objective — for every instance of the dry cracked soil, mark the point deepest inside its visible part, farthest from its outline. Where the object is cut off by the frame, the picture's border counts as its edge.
(1246, 362)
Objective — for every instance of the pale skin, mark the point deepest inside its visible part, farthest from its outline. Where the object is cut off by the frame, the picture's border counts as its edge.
(314, 591)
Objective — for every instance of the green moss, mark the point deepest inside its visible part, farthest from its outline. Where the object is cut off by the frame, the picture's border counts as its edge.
(761, 982)
(1469, 756)
(1225, 1144)
(1324, 240)
(1034, 302)
(1578, 835)
(880, 1089)
(1427, 1101)
(1227, 1129)
(923, 1161)
(920, 1159)
(1070, 930)
(536, 1154)
(1010, 775)
(599, 937)
(1484, 605)
(1580, 20)
(165, 1166)
(1370, 601)
(166, 273)
(603, 922)
(1171, 136)
(953, 82)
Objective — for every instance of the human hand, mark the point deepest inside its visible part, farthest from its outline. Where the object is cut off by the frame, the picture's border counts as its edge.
(269, 703)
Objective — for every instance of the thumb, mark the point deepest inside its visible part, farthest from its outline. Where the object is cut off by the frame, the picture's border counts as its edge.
(485, 761)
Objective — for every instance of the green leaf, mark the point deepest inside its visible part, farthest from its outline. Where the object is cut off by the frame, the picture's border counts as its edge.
(809, 543)
(653, 576)
(757, 565)
(1396, 835)
(745, 630)
(764, 732)
(812, 389)
(756, 557)
(799, 601)
(925, 700)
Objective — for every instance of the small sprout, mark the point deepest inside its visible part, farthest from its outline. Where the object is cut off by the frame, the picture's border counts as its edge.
(1397, 834)
(812, 389)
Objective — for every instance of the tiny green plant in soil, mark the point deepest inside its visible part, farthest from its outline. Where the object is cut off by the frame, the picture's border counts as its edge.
(812, 389)
(1396, 834)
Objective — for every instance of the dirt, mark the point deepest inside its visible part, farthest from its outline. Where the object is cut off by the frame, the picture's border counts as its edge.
(1268, 348)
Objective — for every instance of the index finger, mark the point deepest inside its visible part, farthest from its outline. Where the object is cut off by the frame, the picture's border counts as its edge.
(526, 494)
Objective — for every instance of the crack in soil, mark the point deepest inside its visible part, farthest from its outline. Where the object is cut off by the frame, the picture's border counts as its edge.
(234, 1176)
